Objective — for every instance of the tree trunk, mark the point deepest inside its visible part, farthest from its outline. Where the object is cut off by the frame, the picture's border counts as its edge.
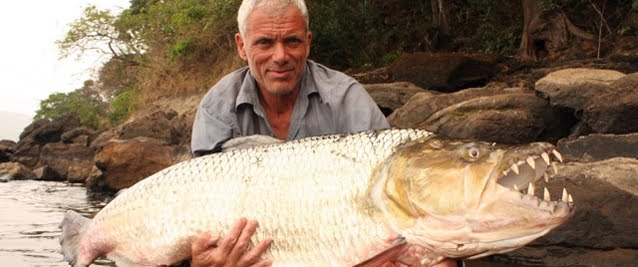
(530, 12)
(440, 15)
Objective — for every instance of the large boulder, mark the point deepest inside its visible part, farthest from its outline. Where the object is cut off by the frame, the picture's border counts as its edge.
(490, 114)
(391, 96)
(444, 72)
(573, 88)
(123, 163)
(616, 109)
(74, 159)
(7, 148)
(597, 147)
(156, 125)
(606, 198)
(16, 171)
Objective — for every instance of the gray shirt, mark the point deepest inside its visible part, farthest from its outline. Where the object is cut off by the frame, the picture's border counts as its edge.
(329, 102)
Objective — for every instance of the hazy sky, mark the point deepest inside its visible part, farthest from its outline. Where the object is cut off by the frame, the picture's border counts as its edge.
(30, 68)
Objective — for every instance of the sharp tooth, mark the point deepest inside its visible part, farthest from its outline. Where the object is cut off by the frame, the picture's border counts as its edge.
(504, 173)
(516, 188)
(546, 196)
(554, 167)
(558, 155)
(546, 177)
(531, 162)
(545, 157)
(530, 189)
(569, 198)
(515, 168)
(565, 195)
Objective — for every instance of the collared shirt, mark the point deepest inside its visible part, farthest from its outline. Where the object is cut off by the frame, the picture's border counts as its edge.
(329, 102)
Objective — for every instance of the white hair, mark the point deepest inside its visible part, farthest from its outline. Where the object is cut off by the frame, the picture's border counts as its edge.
(248, 6)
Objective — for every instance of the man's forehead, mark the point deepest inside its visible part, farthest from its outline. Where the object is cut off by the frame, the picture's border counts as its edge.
(261, 22)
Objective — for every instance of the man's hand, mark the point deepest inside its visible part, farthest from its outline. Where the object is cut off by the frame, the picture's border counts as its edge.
(232, 251)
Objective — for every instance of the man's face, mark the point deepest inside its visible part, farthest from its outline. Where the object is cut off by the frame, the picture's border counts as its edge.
(276, 48)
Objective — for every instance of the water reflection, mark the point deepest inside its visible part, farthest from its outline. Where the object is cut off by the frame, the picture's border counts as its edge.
(30, 212)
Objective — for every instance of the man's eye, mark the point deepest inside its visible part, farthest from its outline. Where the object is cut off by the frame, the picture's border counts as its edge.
(263, 42)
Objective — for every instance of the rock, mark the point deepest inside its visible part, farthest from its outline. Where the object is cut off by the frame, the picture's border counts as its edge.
(16, 171)
(79, 173)
(490, 114)
(60, 157)
(597, 147)
(7, 148)
(391, 96)
(606, 197)
(46, 173)
(125, 162)
(39, 133)
(616, 109)
(83, 133)
(564, 256)
(101, 140)
(423, 105)
(183, 125)
(444, 72)
(573, 88)
(154, 125)
(4, 178)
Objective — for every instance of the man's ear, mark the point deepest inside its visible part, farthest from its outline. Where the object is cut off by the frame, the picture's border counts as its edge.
(309, 42)
(241, 46)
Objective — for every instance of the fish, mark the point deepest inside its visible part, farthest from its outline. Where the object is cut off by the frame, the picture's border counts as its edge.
(360, 199)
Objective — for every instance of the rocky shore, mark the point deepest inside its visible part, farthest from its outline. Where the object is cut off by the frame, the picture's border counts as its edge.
(589, 109)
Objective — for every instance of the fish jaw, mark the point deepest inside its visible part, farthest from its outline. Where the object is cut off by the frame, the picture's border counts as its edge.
(460, 199)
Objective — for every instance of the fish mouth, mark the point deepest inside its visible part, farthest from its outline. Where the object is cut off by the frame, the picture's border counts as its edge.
(525, 175)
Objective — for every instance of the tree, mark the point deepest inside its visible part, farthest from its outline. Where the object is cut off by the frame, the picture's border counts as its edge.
(85, 103)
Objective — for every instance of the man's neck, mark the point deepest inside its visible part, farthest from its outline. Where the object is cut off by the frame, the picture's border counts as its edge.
(278, 109)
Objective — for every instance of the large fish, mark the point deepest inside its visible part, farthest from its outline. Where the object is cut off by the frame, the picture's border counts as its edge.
(337, 200)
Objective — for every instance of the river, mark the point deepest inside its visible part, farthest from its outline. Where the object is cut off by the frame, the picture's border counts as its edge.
(30, 212)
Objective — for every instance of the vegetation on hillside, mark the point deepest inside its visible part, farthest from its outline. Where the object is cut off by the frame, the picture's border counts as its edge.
(163, 48)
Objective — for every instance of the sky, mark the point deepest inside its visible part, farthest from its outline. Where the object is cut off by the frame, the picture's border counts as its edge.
(30, 64)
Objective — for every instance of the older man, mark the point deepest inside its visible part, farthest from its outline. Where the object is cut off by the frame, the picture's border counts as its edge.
(282, 94)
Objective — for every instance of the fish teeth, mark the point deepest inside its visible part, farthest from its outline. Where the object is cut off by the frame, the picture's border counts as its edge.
(531, 163)
(557, 155)
(546, 196)
(515, 168)
(554, 168)
(565, 196)
(530, 189)
(546, 177)
(570, 199)
(545, 158)
(516, 188)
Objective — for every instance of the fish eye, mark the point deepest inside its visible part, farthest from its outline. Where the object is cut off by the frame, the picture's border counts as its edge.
(473, 152)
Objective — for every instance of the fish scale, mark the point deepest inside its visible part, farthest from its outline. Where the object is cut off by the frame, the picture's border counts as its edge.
(314, 221)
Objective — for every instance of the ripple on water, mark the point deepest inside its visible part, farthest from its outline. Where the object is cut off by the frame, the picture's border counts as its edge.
(30, 212)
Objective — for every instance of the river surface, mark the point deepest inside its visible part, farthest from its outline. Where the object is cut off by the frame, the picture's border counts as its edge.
(30, 212)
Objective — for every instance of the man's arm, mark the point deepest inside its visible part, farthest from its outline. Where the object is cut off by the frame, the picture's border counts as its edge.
(360, 112)
(209, 132)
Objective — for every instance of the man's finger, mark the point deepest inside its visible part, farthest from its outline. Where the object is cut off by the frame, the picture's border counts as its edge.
(253, 256)
(243, 241)
(229, 240)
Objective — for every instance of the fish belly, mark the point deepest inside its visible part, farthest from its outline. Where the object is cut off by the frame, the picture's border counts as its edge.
(308, 195)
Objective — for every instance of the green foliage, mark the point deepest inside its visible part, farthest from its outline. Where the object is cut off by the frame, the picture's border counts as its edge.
(83, 103)
(122, 106)
(634, 5)
(494, 28)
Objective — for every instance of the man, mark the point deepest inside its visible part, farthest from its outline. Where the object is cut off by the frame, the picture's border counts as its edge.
(282, 94)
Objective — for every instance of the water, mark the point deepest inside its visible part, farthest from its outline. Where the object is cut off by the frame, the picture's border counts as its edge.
(30, 212)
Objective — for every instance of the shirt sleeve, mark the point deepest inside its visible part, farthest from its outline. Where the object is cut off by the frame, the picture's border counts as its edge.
(209, 132)
(360, 112)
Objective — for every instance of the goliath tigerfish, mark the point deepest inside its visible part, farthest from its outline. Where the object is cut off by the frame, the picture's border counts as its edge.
(337, 200)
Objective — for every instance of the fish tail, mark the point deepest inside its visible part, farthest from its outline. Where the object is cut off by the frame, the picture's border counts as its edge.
(73, 226)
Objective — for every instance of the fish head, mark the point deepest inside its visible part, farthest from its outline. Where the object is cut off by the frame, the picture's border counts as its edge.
(464, 199)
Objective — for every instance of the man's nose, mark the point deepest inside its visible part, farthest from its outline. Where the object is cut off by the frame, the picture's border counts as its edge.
(280, 55)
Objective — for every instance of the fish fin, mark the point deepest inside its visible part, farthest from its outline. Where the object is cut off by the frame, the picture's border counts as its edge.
(387, 255)
(121, 261)
(73, 226)
(249, 141)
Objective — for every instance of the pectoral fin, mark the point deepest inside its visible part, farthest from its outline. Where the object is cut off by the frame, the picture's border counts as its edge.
(386, 256)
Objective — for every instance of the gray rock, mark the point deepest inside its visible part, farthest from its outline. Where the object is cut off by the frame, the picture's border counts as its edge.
(154, 125)
(616, 109)
(391, 96)
(597, 147)
(573, 88)
(16, 171)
